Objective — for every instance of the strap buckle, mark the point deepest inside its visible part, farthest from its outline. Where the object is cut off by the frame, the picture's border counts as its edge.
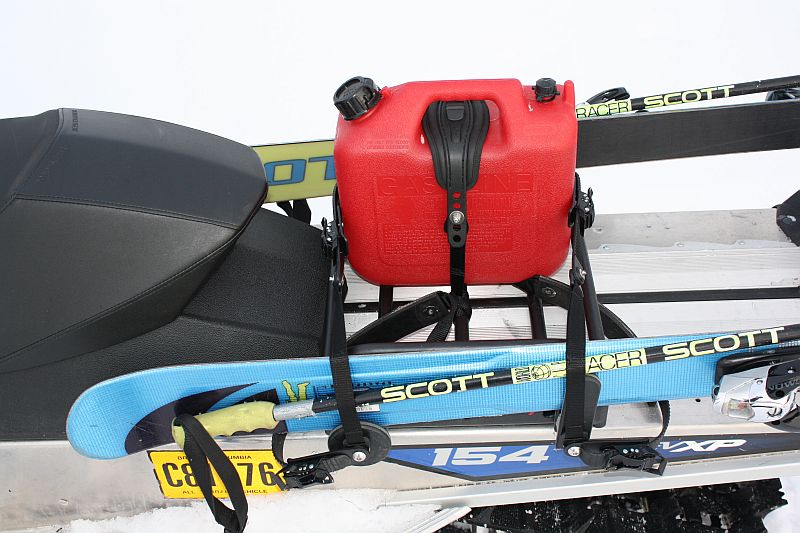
(333, 239)
(629, 455)
(334, 245)
(582, 211)
(316, 469)
(577, 275)
(330, 240)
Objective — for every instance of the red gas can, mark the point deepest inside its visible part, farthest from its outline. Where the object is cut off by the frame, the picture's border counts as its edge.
(394, 209)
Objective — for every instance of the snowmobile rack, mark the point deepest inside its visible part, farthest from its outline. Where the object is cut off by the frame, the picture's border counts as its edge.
(702, 447)
(539, 404)
(456, 132)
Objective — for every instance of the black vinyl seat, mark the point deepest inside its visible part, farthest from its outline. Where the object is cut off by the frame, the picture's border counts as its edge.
(108, 225)
(128, 244)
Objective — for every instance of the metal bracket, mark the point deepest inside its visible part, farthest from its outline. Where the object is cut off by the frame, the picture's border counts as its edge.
(788, 218)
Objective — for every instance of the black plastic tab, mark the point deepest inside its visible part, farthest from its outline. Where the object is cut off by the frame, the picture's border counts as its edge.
(317, 469)
(639, 455)
(582, 212)
(456, 132)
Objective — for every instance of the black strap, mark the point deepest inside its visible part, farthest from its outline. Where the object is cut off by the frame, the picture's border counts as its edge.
(385, 300)
(405, 320)
(201, 450)
(456, 132)
(297, 209)
(345, 399)
(666, 414)
(458, 292)
(336, 349)
(573, 422)
(578, 409)
(335, 343)
(459, 309)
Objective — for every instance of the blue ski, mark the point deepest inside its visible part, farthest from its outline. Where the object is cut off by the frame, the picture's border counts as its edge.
(134, 412)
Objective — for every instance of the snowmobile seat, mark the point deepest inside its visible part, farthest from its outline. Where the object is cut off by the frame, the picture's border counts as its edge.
(109, 223)
(266, 300)
(128, 244)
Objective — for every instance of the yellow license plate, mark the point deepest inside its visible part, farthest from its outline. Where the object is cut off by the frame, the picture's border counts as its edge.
(258, 470)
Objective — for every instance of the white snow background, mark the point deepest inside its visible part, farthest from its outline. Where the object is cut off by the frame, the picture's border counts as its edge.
(296, 511)
(261, 72)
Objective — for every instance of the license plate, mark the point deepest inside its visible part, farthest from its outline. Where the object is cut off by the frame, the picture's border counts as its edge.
(258, 470)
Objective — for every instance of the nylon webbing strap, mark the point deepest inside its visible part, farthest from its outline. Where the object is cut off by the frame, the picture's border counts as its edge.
(573, 410)
(573, 426)
(456, 132)
(666, 413)
(335, 340)
(201, 450)
(336, 349)
(458, 287)
(458, 268)
(459, 307)
(297, 209)
(345, 400)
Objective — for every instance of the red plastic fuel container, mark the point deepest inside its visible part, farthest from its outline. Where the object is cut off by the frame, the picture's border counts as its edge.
(394, 209)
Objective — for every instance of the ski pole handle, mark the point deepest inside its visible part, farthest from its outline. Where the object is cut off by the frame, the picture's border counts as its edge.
(245, 417)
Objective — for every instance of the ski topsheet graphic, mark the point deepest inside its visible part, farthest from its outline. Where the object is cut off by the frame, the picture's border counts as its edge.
(134, 412)
(298, 170)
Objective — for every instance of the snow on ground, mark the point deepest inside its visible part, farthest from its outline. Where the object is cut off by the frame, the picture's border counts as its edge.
(335, 511)
(787, 518)
(310, 511)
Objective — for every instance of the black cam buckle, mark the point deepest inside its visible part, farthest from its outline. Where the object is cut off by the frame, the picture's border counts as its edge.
(316, 469)
(334, 245)
(582, 211)
(615, 456)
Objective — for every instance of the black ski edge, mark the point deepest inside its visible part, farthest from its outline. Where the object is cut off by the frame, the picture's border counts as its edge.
(656, 136)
